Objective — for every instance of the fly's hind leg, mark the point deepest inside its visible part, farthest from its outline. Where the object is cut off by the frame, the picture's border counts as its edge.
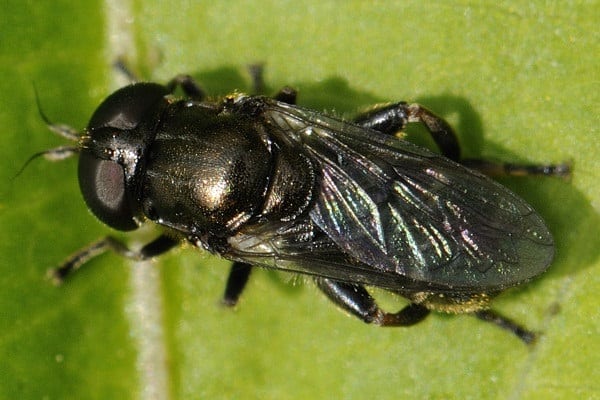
(355, 299)
(495, 169)
(392, 118)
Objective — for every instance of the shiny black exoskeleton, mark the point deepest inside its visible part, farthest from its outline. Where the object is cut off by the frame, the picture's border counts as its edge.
(178, 164)
(263, 182)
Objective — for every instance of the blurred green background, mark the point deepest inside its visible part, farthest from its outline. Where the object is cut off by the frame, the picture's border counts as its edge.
(520, 82)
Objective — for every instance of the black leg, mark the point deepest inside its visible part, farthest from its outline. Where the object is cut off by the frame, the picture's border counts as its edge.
(286, 95)
(122, 67)
(495, 169)
(189, 86)
(236, 282)
(525, 335)
(156, 247)
(357, 301)
(258, 78)
(392, 118)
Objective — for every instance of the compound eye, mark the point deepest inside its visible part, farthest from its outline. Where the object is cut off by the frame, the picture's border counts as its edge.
(125, 108)
(102, 184)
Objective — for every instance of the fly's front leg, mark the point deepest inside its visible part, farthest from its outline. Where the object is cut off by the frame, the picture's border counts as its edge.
(158, 246)
(355, 299)
(189, 86)
(121, 66)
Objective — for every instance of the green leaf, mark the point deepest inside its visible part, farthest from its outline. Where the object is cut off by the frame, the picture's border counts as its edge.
(520, 82)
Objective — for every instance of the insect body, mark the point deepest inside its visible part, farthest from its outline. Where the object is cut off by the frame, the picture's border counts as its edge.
(263, 182)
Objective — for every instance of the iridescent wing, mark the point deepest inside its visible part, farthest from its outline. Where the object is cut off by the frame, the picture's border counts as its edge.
(403, 211)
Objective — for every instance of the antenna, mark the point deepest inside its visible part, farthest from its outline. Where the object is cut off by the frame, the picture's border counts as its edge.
(65, 131)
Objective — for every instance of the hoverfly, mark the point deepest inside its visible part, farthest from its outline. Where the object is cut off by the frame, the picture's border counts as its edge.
(263, 182)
